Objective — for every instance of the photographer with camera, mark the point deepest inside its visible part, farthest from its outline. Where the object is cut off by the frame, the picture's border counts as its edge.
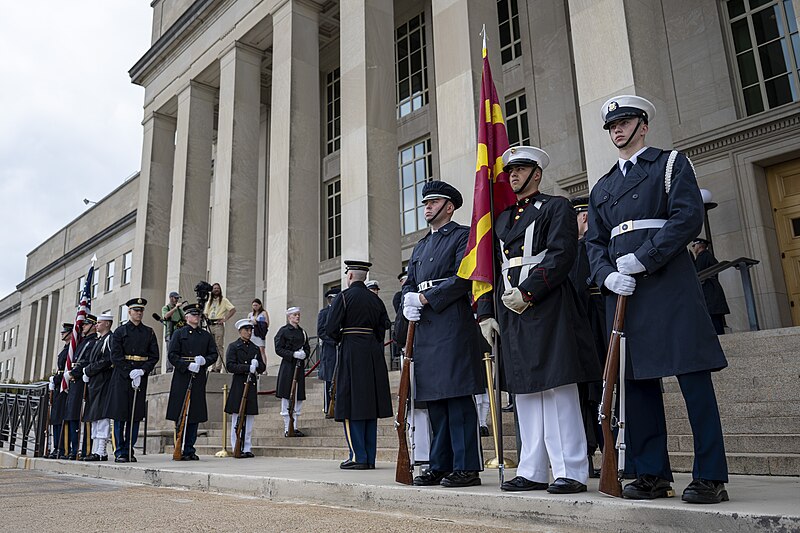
(218, 310)
(173, 318)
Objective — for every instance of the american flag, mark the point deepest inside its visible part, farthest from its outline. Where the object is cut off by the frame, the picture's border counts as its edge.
(77, 331)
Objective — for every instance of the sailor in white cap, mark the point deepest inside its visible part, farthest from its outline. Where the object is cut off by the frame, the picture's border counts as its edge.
(642, 215)
(291, 344)
(97, 374)
(244, 362)
(547, 345)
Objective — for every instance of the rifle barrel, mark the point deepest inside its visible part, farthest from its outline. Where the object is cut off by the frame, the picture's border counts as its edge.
(610, 482)
(404, 470)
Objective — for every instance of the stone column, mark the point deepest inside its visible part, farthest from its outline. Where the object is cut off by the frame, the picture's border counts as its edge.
(41, 340)
(294, 165)
(370, 204)
(628, 57)
(52, 334)
(458, 64)
(151, 241)
(191, 189)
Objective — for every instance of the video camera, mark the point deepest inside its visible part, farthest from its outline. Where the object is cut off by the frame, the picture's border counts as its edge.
(203, 292)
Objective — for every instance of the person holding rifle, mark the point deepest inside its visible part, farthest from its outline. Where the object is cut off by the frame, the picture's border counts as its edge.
(192, 351)
(546, 343)
(59, 398)
(134, 354)
(243, 360)
(97, 373)
(642, 215)
(357, 319)
(291, 344)
(448, 370)
(327, 347)
(77, 392)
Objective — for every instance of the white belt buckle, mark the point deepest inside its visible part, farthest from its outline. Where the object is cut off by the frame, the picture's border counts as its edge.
(515, 262)
(626, 226)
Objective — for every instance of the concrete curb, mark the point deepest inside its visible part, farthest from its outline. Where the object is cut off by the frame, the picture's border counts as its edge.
(588, 511)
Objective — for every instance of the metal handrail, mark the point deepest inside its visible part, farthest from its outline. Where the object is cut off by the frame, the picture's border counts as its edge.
(743, 265)
(23, 409)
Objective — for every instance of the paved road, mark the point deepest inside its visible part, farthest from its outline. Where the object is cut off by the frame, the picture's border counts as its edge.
(37, 501)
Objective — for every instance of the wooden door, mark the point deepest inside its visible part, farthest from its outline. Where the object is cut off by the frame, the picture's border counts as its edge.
(784, 193)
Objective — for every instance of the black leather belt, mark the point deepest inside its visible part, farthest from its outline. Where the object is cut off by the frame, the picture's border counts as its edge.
(357, 331)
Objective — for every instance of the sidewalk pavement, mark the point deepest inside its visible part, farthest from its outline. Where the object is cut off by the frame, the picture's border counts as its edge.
(758, 503)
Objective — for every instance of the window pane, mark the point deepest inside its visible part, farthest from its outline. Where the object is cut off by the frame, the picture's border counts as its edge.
(409, 220)
(421, 218)
(735, 8)
(420, 169)
(741, 36)
(402, 47)
(420, 186)
(747, 69)
(416, 61)
(505, 34)
(774, 58)
(511, 107)
(787, 6)
(515, 27)
(502, 10)
(406, 155)
(779, 91)
(758, 3)
(518, 49)
(523, 121)
(796, 48)
(767, 25)
(414, 23)
(522, 102)
(402, 69)
(408, 198)
(408, 176)
(415, 41)
(752, 100)
(505, 55)
(513, 135)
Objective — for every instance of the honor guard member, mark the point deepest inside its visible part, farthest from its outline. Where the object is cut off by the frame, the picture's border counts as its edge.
(642, 215)
(59, 398)
(291, 344)
(134, 354)
(357, 320)
(327, 348)
(243, 360)
(192, 351)
(75, 393)
(547, 346)
(97, 374)
(713, 293)
(448, 368)
(400, 329)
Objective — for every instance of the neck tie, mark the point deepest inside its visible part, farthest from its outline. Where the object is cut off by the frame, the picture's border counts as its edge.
(626, 168)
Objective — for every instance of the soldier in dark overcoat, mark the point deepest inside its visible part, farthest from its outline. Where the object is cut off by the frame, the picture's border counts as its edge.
(327, 347)
(59, 398)
(357, 320)
(97, 375)
(448, 369)
(713, 293)
(192, 351)
(244, 362)
(78, 389)
(134, 354)
(546, 340)
(291, 344)
(642, 215)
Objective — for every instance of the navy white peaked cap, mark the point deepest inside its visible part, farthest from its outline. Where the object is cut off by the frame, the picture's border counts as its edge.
(627, 106)
(440, 189)
(525, 156)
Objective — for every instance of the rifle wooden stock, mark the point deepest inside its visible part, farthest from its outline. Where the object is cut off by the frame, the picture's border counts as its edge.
(404, 472)
(332, 400)
(293, 396)
(178, 451)
(610, 481)
(47, 425)
(240, 423)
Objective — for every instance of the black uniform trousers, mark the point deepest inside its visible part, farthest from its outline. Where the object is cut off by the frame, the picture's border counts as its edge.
(121, 430)
(189, 437)
(646, 427)
(362, 439)
(58, 439)
(456, 443)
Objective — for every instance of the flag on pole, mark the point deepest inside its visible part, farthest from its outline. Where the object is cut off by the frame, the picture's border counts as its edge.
(84, 307)
(491, 183)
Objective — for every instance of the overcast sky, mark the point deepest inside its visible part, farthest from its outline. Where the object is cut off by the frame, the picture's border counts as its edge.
(71, 118)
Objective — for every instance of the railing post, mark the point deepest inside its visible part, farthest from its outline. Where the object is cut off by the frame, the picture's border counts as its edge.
(749, 298)
(146, 417)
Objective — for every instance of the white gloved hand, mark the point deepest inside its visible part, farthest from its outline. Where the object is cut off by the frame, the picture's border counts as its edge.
(253, 366)
(67, 375)
(489, 328)
(300, 354)
(513, 299)
(200, 360)
(412, 299)
(620, 284)
(412, 313)
(136, 372)
(51, 385)
(194, 368)
(135, 382)
(85, 378)
(629, 264)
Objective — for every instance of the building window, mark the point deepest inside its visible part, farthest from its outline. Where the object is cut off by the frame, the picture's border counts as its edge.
(81, 282)
(123, 314)
(95, 285)
(517, 121)
(11, 337)
(333, 110)
(5, 340)
(510, 42)
(127, 265)
(766, 45)
(415, 170)
(412, 71)
(110, 276)
(333, 215)
(8, 369)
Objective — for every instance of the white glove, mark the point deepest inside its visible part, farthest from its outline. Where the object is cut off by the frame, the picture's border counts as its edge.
(253, 366)
(135, 382)
(489, 328)
(136, 372)
(85, 378)
(300, 354)
(51, 385)
(513, 299)
(412, 299)
(411, 313)
(200, 360)
(194, 368)
(628, 264)
(67, 375)
(620, 284)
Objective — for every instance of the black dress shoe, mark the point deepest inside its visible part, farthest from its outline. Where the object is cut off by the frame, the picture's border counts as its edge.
(352, 465)
(121, 459)
(508, 408)
(372, 466)
(91, 457)
(430, 477)
(519, 483)
(104, 458)
(705, 491)
(132, 459)
(461, 478)
(248, 455)
(70, 457)
(485, 431)
(565, 485)
(298, 433)
(648, 487)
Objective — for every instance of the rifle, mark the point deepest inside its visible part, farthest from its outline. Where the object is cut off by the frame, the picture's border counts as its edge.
(404, 471)
(241, 422)
(293, 396)
(332, 393)
(47, 425)
(178, 451)
(130, 426)
(86, 435)
(610, 475)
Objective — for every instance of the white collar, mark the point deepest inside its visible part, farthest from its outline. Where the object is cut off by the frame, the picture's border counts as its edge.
(633, 158)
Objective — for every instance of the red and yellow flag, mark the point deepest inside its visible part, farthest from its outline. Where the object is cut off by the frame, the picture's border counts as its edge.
(478, 261)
